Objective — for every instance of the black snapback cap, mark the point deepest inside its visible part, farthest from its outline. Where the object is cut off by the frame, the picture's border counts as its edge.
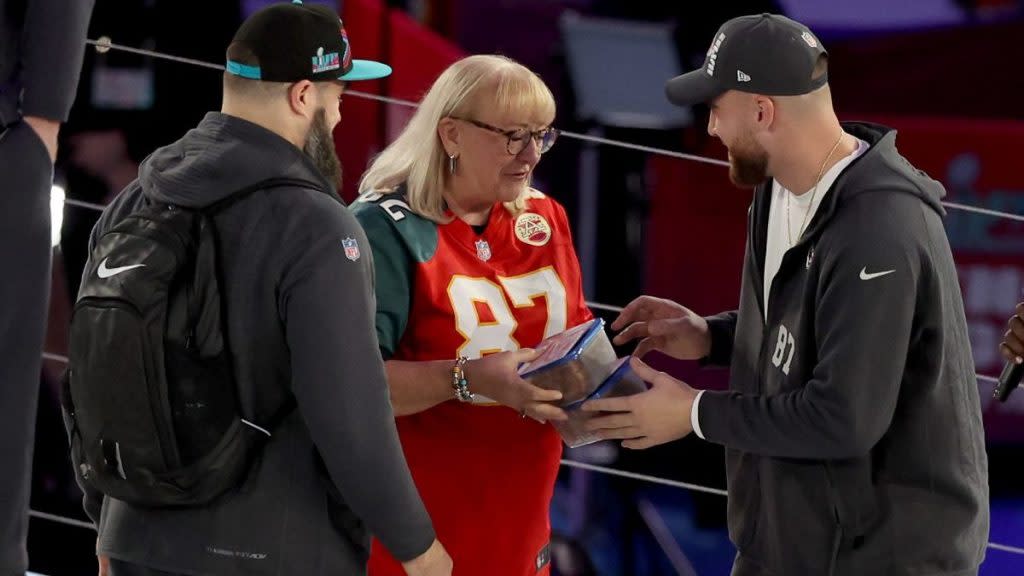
(289, 42)
(761, 54)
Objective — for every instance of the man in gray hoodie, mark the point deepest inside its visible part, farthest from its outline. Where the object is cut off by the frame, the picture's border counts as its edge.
(41, 48)
(852, 424)
(297, 277)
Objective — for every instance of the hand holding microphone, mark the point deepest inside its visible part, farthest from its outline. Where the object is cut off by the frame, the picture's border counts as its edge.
(1012, 348)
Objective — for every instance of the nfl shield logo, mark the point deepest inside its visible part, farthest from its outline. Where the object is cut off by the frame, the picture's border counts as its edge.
(351, 249)
(483, 250)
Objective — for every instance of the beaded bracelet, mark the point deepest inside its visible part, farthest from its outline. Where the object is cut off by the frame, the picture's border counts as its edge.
(459, 382)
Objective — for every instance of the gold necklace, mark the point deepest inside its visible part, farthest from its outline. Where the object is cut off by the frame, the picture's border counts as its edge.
(821, 172)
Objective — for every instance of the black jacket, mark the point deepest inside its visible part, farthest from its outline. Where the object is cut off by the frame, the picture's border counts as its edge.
(42, 43)
(300, 317)
(852, 425)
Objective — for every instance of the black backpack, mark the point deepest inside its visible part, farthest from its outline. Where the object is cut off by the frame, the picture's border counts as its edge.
(149, 396)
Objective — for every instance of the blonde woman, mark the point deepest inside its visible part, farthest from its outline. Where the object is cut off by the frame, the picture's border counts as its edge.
(473, 266)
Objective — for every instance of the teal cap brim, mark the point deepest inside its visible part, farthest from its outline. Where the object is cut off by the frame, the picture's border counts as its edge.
(366, 70)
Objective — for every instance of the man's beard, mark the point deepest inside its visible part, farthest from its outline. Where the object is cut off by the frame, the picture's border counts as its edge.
(748, 162)
(319, 147)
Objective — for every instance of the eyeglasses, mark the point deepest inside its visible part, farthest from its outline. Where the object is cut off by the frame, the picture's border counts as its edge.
(519, 137)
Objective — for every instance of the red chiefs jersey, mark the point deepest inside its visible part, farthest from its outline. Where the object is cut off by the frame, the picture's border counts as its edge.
(485, 474)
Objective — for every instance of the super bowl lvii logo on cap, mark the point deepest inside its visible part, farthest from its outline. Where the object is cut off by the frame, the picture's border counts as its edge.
(324, 62)
(346, 58)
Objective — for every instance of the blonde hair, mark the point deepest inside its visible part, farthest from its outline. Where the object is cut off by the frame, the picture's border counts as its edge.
(417, 157)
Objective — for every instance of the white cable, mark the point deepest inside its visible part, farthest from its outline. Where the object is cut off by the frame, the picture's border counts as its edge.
(984, 211)
(1005, 548)
(55, 357)
(61, 520)
(644, 477)
(663, 536)
(89, 526)
(984, 378)
(64, 359)
(81, 204)
(104, 44)
(605, 307)
(649, 149)
(255, 427)
(590, 467)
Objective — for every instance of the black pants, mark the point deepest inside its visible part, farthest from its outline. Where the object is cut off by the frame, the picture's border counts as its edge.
(26, 175)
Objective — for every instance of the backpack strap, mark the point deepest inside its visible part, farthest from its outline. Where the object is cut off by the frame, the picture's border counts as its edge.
(230, 200)
(235, 197)
(288, 404)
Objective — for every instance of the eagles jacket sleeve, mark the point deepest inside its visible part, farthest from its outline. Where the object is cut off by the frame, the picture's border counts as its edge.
(392, 267)
(848, 403)
(339, 383)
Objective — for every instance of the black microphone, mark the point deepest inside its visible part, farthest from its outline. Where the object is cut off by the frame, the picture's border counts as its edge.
(1008, 380)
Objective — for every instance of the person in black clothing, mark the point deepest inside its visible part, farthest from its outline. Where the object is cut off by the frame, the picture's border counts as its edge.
(297, 277)
(852, 427)
(42, 43)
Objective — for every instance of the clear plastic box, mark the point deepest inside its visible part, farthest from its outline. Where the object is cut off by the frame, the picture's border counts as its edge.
(623, 381)
(574, 362)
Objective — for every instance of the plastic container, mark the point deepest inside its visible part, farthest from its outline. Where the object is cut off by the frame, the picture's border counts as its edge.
(574, 362)
(623, 381)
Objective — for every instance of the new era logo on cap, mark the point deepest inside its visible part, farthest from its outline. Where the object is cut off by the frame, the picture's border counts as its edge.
(764, 54)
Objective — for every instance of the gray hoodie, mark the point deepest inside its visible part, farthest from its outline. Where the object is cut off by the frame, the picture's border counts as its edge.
(852, 427)
(300, 318)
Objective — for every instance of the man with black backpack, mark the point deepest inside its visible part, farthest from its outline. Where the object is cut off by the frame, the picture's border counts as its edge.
(226, 401)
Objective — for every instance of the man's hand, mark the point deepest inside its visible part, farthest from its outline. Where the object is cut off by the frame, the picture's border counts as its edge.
(660, 415)
(1013, 341)
(434, 562)
(663, 325)
(47, 130)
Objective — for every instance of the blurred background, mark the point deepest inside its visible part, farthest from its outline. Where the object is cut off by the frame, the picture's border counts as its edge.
(943, 72)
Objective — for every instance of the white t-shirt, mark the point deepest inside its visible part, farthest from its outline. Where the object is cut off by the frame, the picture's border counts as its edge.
(800, 207)
(800, 210)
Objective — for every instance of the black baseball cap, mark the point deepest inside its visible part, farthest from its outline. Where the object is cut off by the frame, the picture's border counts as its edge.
(289, 42)
(761, 54)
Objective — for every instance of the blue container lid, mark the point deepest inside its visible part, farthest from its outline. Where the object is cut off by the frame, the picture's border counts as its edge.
(622, 369)
(594, 327)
